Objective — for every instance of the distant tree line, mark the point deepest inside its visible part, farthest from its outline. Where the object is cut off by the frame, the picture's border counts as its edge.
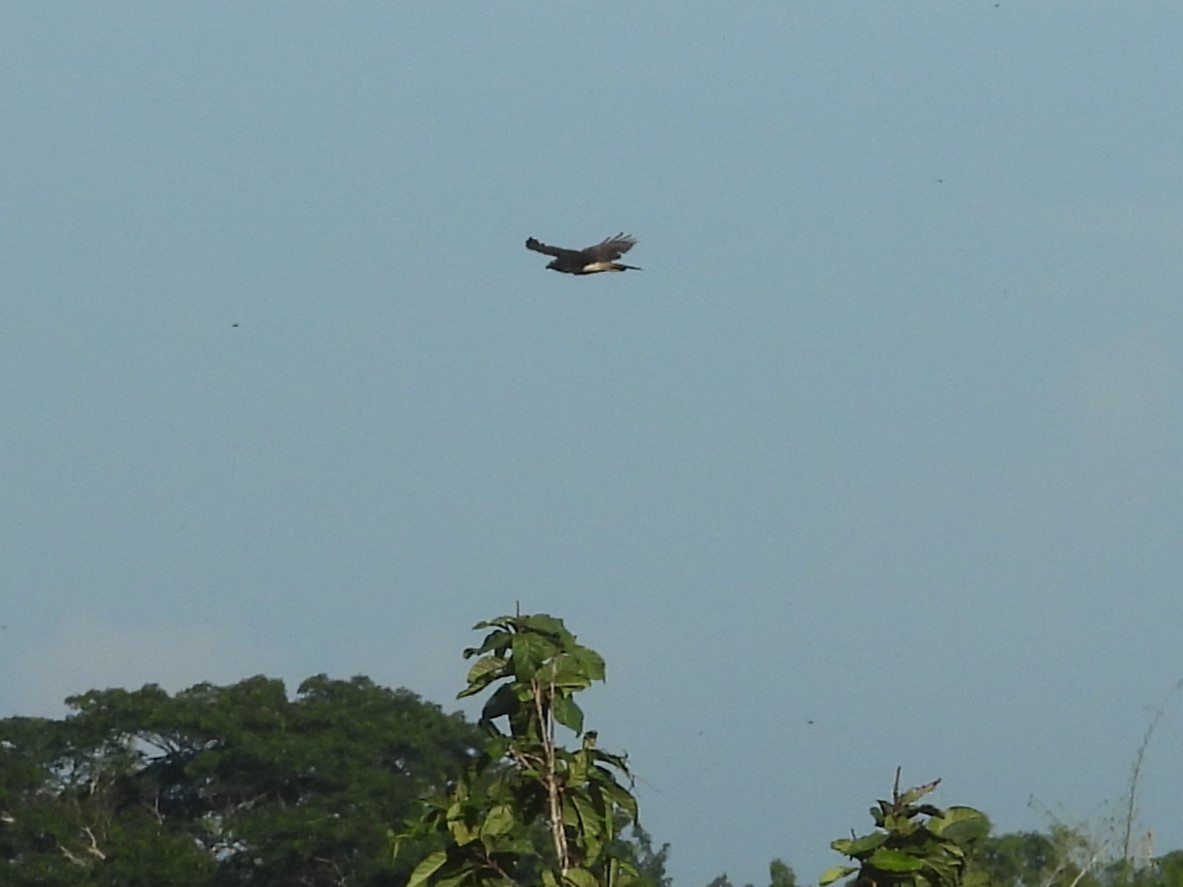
(222, 785)
(350, 783)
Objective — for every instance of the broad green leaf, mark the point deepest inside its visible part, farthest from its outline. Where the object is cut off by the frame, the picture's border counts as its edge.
(428, 867)
(593, 819)
(864, 845)
(498, 821)
(591, 663)
(592, 828)
(615, 793)
(912, 795)
(545, 624)
(503, 702)
(620, 762)
(483, 672)
(961, 824)
(461, 832)
(829, 876)
(895, 861)
(579, 877)
(945, 872)
(577, 772)
(564, 673)
(949, 848)
(569, 714)
(496, 640)
(539, 645)
(503, 622)
(570, 814)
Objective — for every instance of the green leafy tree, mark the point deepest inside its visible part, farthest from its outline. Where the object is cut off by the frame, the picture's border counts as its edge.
(1169, 869)
(528, 809)
(1023, 859)
(1061, 857)
(222, 785)
(914, 844)
(649, 863)
(779, 875)
(1068, 856)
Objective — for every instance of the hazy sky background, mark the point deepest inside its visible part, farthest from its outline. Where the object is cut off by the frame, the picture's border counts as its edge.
(886, 437)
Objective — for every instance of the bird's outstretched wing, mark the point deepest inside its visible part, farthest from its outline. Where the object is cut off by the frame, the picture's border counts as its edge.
(556, 251)
(610, 248)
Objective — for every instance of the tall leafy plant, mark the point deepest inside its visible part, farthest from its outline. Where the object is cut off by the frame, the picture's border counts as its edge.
(528, 809)
(914, 844)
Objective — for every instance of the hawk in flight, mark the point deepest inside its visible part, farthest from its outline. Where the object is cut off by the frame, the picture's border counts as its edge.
(594, 259)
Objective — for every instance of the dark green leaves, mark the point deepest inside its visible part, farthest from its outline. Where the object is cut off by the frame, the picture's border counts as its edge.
(829, 876)
(223, 785)
(914, 845)
(428, 867)
(529, 810)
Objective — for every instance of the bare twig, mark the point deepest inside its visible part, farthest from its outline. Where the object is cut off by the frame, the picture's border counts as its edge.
(1136, 775)
(93, 849)
(1084, 869)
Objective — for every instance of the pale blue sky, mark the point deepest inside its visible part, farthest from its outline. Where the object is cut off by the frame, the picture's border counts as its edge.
(887, 436)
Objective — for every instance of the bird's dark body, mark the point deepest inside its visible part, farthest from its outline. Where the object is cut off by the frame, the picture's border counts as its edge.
(593, 260)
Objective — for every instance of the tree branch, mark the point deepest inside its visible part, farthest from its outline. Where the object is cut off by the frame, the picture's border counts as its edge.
(554, 792)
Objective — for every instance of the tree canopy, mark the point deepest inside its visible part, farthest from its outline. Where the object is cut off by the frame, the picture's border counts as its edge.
(351, 783)
(223, 785)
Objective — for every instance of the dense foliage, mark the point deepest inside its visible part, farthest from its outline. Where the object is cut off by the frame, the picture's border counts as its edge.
(914, 844)
(1069, 857)
(222, 785)
(242, 785)
(529, 810)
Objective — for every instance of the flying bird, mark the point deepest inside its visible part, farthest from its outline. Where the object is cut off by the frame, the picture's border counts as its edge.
(594, 259)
